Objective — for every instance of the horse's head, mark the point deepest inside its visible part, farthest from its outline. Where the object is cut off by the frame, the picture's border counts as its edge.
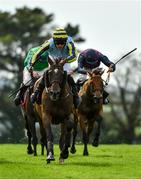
(56, 79)
(95, 85)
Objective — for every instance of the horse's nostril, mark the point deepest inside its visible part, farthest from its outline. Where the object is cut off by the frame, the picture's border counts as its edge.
(57, 93)
(51, 93)
(101, 96)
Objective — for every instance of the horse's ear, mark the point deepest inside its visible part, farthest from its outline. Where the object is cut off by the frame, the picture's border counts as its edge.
(50, 60)
(102, 72)
(98, 71)
(62, 62)
(89, 73)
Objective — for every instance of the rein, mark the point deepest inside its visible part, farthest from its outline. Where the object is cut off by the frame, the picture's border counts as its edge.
(46, 88)
(107, 79)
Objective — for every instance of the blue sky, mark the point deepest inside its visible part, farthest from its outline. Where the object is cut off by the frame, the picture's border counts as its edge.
(112, 27)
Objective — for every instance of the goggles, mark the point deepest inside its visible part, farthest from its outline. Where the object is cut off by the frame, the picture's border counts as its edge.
(60, 41)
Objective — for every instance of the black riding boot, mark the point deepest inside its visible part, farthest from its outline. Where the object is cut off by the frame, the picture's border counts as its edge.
(76, 99)
(105, 99)
(36, 95)
(79, 83)
(19, 96)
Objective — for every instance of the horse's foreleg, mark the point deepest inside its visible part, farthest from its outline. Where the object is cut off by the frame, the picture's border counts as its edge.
(43, 138)
(29, 147)
(85, 141)
(68, 125)
(97, 131)
(49, 137)
(83, 126)
(64, 142)
(62, 137)
(34, 137)
(74, 134)
(50, 154)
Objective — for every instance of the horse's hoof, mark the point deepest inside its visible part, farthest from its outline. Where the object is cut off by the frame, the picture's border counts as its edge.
(48, 161)
(73, 150)
(50, 157)
(65, 154)
(95, 143)
(85, 154)
(30, 150)
(61, 161)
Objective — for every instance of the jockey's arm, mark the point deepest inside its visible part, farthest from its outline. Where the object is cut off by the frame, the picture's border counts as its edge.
(81, 70)
(44, 47)
(107, 62)
(72, 53)
(28, 58)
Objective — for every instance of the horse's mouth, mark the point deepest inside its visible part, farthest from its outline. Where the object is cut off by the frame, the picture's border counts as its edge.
(97, 100)
(54, 97)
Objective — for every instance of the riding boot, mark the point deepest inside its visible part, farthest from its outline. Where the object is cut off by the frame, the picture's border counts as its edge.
(79, 83)
(105, 99)
(19, 96)
(37, 94)
(76, 99)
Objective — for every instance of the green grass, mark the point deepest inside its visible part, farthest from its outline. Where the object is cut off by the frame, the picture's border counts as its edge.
(106, 161)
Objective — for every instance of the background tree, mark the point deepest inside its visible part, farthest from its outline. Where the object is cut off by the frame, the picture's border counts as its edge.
(20, 31)
(126, 101)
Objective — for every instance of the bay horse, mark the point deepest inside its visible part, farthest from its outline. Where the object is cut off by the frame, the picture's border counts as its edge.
(57, 108)
(31, 117)
(90, 110)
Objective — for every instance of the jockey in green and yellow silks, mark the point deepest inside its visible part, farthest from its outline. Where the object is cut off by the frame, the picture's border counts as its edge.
(59, 46)
(38, 71)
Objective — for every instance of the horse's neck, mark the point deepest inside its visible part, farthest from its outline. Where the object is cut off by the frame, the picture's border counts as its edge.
(66, 91)
(68, 88)
(85, 91)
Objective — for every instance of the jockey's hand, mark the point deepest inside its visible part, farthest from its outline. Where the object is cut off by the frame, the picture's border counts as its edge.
(112, 68)
(30, 69)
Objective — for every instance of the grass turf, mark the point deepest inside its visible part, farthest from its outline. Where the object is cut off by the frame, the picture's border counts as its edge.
(106, 161)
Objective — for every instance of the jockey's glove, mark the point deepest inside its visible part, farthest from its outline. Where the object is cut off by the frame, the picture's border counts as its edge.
(30, 68)
(112, 67)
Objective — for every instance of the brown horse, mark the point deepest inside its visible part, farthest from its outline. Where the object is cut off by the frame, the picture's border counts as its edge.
(90, 109)
(31, 118)
(57, 108)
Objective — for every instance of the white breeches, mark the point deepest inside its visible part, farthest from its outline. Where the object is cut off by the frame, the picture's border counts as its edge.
(69, 67)
(83, 76)
(27, 76)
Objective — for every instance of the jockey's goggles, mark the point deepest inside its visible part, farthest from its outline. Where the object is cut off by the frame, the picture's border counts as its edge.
(60, 41)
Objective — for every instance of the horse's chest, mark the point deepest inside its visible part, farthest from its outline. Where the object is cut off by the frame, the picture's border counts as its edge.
(58, 110)
(89, 109)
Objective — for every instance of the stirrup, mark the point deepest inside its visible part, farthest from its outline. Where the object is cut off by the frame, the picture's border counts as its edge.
(17, 101)
(106, 101)
(33, 97)
(77, 102)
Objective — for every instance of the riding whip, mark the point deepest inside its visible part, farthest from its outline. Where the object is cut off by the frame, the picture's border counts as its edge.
(108, 77)
(125, 55)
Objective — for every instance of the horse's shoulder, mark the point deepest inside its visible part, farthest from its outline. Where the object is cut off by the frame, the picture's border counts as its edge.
(85, 85)
(37, 82)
